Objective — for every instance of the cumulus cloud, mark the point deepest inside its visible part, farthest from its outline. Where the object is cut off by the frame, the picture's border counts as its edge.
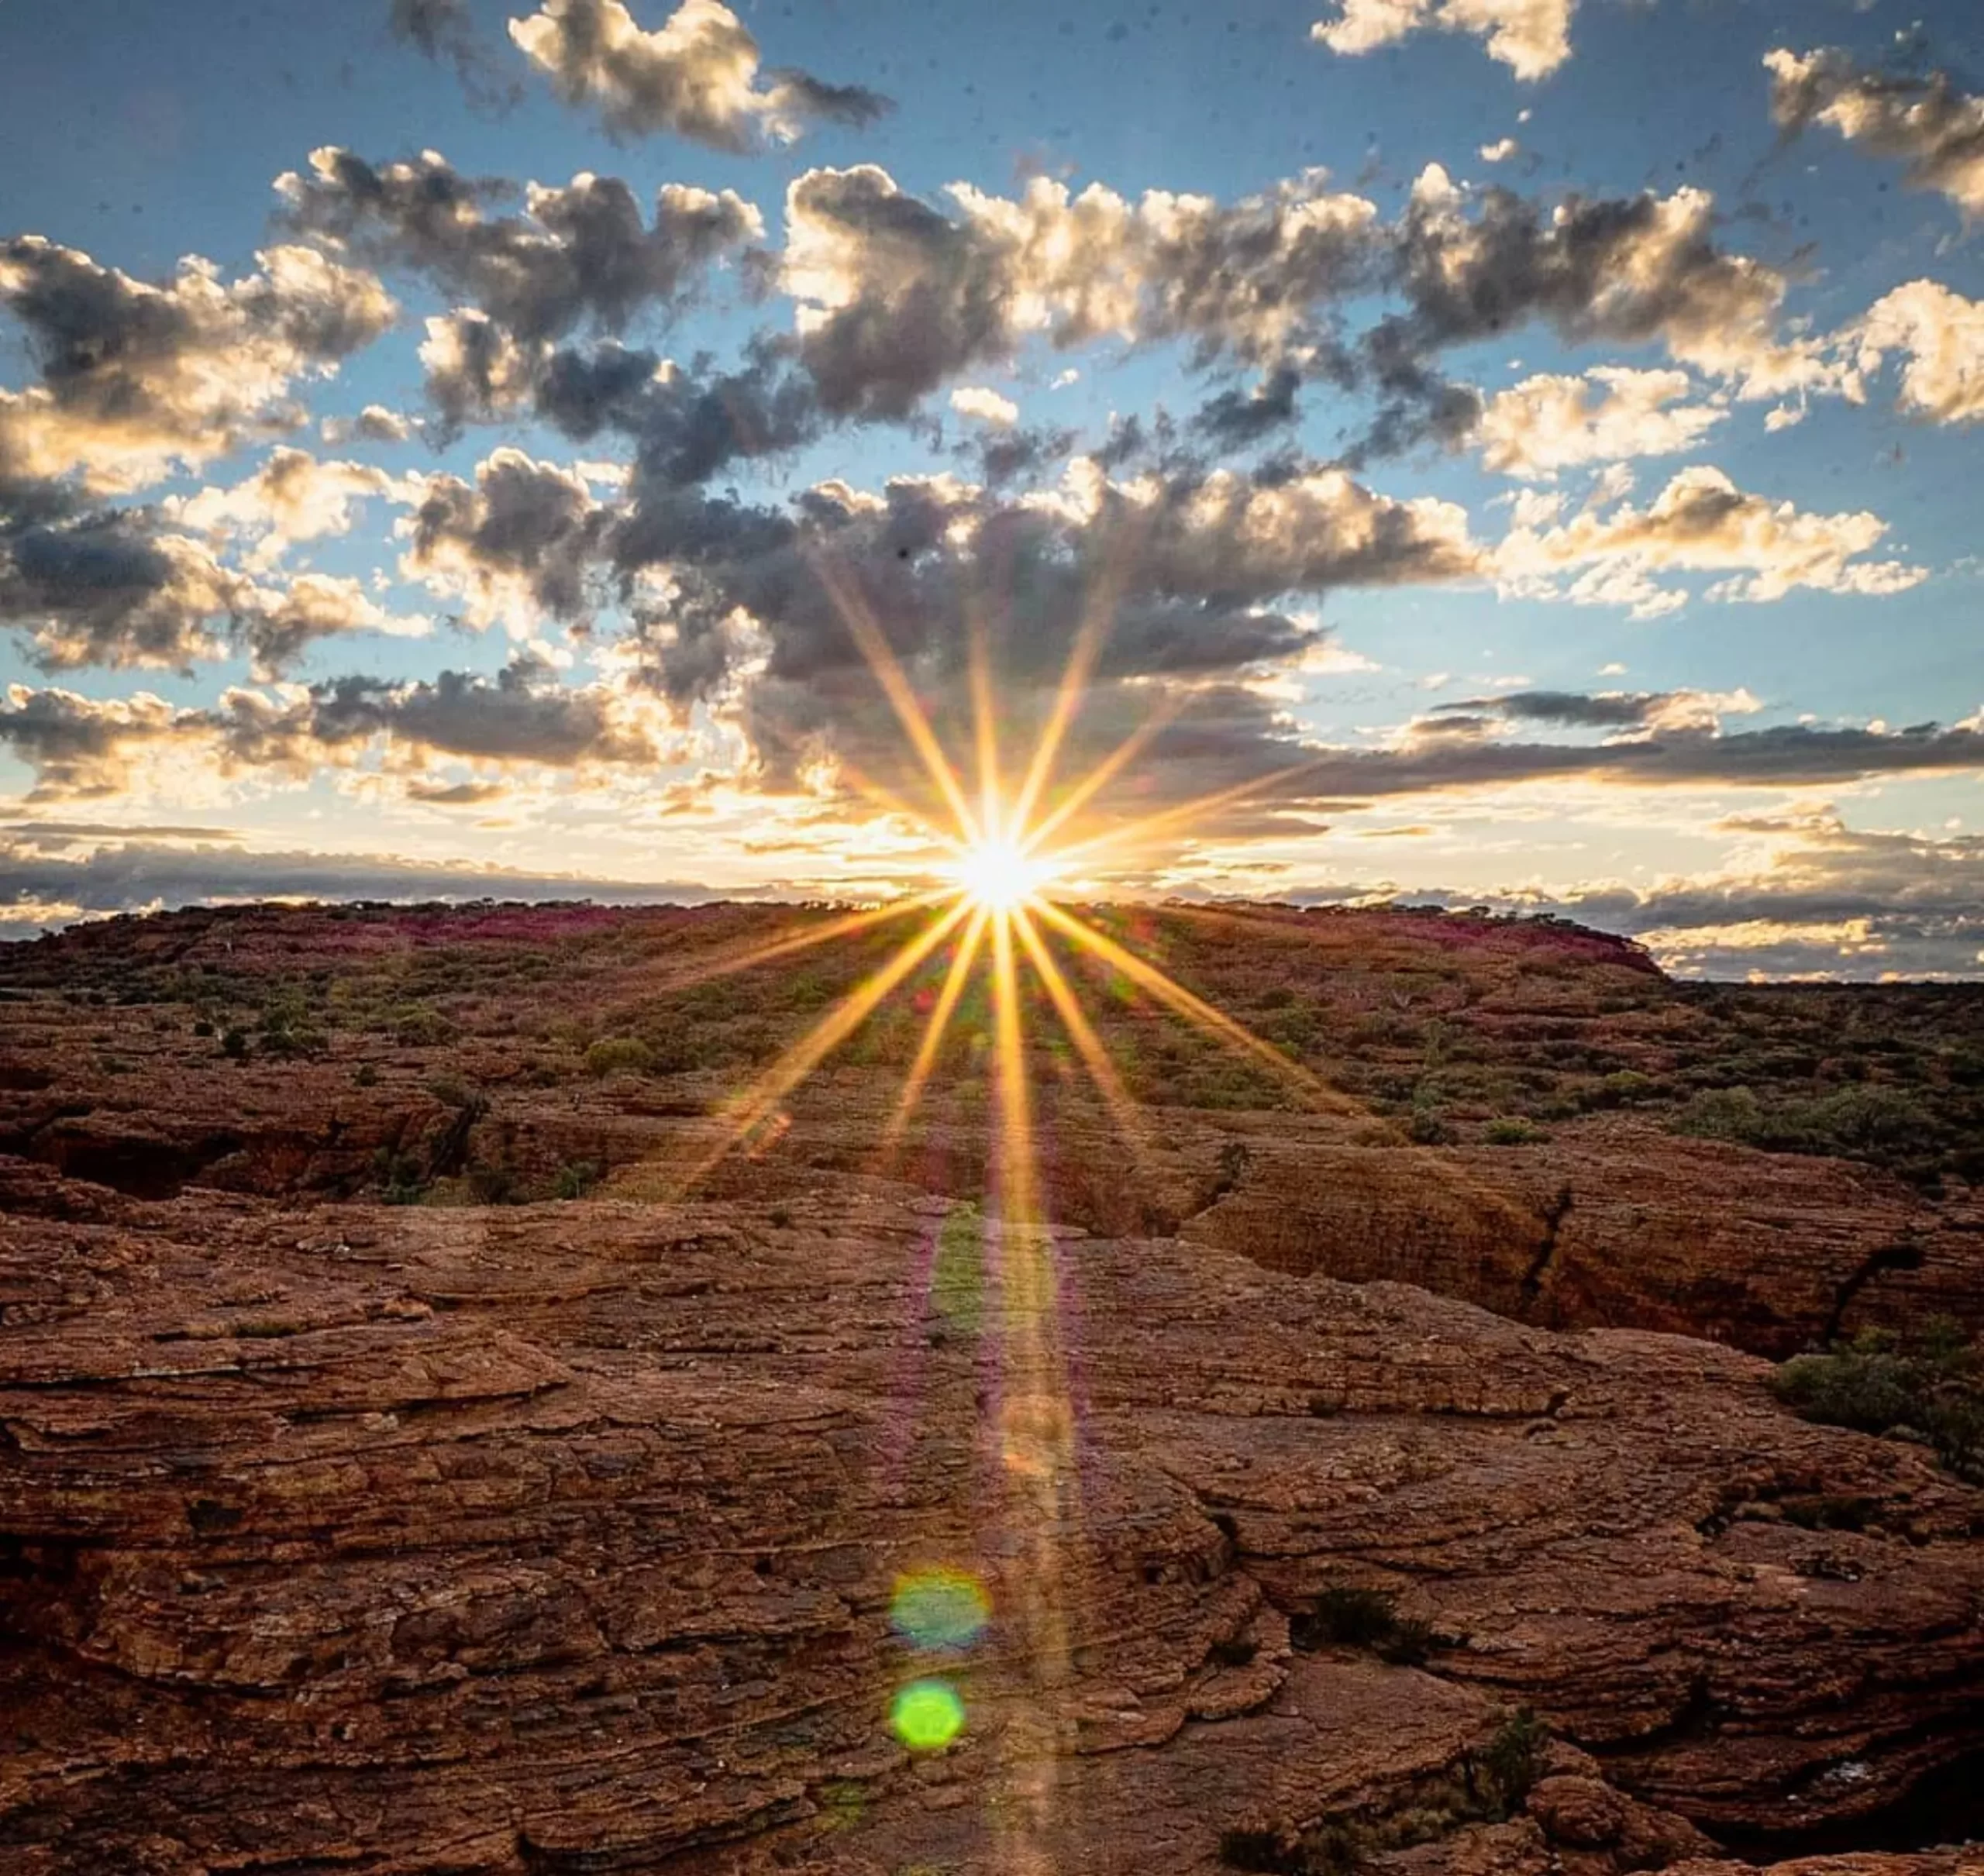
(375, 424)
(514, 547)
(756, 613)
(1701, 522)
(895, 296)
(577, 254)
(1942, 335)
(696, 76)
(1549, 423)
(1923, 122)
(1531, 37)
(985, 406)
(293, 496)
(83, 747)
(136, 378)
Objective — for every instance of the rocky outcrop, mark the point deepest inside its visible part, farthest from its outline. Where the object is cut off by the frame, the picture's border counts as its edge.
(563, 1538)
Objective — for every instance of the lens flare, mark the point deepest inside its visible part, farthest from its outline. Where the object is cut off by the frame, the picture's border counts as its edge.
(926, 1716)
(940, 1609)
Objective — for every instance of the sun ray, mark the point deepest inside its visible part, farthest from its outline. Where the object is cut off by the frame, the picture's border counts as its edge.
(1196, 1009)
(874, 646)
(1124, 839)
(1099, 777)
(1098, 621)
(758, 1101)
(955, 981)
(1123, 1109)
(845, 926)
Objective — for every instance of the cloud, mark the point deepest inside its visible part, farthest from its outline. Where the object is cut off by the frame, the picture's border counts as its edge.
(577, 254)
(136, 378)
(515, 547)
(1500, 151)
(442, 30)
(1923, 122)
(1669, 710)
(1547, 424)
(1701, 522)
(696, 76)
(747, 610)
(142, 587)
(896, 296)
(986, 406)
(375, 424)
(89, 748)
(293, 496)
(1235, 419)
(40, 887)
(1531, 37)
(1942, 334)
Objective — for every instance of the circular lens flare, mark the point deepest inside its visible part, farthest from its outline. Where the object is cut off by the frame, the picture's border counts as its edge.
(926, 1716)
(940, 1609)
(999, 876)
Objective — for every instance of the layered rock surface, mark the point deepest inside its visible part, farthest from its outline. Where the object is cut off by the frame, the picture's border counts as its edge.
(562, 1537)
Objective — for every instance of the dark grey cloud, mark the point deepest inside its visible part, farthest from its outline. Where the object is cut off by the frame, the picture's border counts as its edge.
(523, 714)
(696, 76)
(1179, 584)
(579, 254)
(522, 539)
(1571, 709)
(1236, 419)
(444, 31)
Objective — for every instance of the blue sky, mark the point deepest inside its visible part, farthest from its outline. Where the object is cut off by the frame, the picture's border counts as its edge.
(1751, 537)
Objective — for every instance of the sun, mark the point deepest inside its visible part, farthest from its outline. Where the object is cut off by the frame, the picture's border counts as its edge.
(999, 876)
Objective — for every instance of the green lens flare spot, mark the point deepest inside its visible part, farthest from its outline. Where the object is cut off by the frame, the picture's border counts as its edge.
(940, 1609)
(926, 1716)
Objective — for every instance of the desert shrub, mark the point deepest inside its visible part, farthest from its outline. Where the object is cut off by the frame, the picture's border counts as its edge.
(452, 1091)
(1511, 1130)
(1428, 1128)
(1349, 1617)
(1931, 1390)
(1864, 1121)
(367, 1076)
(492, 1185)
(420, 1026)
(402, 1179)
(575, 1179)
(203, 1027)
(234, 1045)
(619, 1055)
(1513, 1760)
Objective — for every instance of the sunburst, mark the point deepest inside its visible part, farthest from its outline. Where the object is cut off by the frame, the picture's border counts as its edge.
(1006, 881)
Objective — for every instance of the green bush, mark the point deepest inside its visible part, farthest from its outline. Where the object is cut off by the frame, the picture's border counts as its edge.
(367, 1076)
(1349, 1617)
(619, 1055)
(575, 1180)
(1513, 1760)
(1932, 1390)
(1510, 1130)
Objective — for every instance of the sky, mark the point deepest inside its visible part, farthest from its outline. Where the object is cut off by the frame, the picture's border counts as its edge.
(1508, 452)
